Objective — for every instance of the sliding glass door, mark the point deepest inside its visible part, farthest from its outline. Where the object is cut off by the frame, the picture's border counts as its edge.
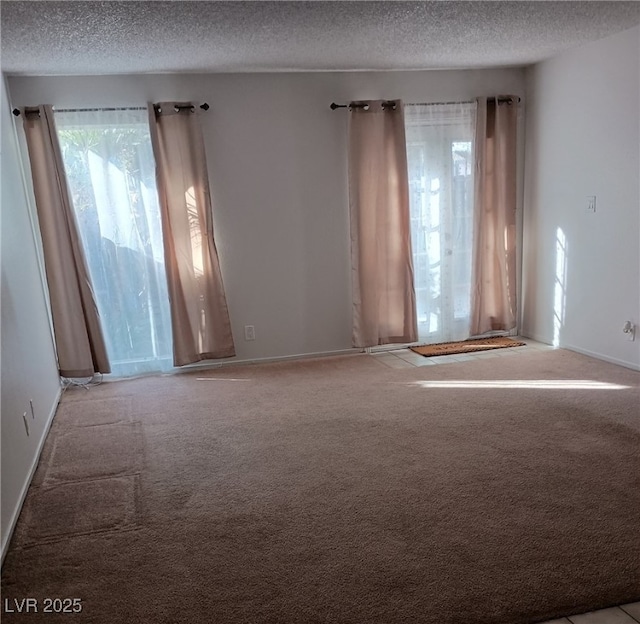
(440, 160)
(111, 173)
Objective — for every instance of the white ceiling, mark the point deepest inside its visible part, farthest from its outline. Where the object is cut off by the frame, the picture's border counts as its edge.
(93, 37)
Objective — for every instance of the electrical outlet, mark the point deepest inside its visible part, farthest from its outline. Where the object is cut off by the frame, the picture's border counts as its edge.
(33, 413)
(630, 330)
(26, 423)
(249, 332)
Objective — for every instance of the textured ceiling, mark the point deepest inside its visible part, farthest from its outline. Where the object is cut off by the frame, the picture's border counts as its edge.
(94, 37)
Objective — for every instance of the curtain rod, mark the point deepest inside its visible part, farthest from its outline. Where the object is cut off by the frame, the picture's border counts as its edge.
(16, 111)
(333, 105)
(364, 105)
(500, 100)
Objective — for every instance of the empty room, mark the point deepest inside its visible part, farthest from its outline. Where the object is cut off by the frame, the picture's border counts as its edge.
(320, 312)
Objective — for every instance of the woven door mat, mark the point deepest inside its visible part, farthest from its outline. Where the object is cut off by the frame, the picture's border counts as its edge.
(467, 346)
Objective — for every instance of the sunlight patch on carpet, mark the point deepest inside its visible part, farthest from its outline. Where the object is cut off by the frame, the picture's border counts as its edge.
(220, 379)
(537, 384)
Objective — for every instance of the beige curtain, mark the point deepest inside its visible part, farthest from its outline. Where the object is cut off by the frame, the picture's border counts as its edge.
(199, 314)
(493, 286)
(384, 307)
(79, 341)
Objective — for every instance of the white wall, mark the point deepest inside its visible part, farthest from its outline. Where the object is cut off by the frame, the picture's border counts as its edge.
(28, 364)
(583, 139)
(277, 161)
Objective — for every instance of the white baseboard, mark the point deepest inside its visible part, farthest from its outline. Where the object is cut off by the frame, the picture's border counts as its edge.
(265, 360)
(600, 356)
(389, 347)
(536, 337)
(27, 483)
(593, 354)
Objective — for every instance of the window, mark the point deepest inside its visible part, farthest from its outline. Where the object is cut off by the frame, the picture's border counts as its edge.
(111, 173)
(440, 162)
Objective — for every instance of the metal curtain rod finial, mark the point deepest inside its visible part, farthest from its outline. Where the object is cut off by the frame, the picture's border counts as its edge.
(190, 107)
(179, 107)
(362, 105)
(28, 110)
(386, 104)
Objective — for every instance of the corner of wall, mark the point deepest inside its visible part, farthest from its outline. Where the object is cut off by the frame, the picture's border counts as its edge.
(581, 267)
(29, 372)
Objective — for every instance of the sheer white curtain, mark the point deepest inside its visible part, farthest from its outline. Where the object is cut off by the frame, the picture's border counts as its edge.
(440, 159)
(111, 173)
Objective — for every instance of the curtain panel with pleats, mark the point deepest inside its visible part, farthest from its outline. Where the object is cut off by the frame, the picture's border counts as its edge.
(199, 314)
(384, 307)
(493, 300)
(80, 345)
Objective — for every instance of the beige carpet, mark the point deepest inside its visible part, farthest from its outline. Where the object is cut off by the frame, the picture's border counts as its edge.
(467, 346)
(339, 491)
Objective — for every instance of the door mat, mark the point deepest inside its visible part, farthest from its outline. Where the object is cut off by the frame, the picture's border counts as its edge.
(467, 346)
